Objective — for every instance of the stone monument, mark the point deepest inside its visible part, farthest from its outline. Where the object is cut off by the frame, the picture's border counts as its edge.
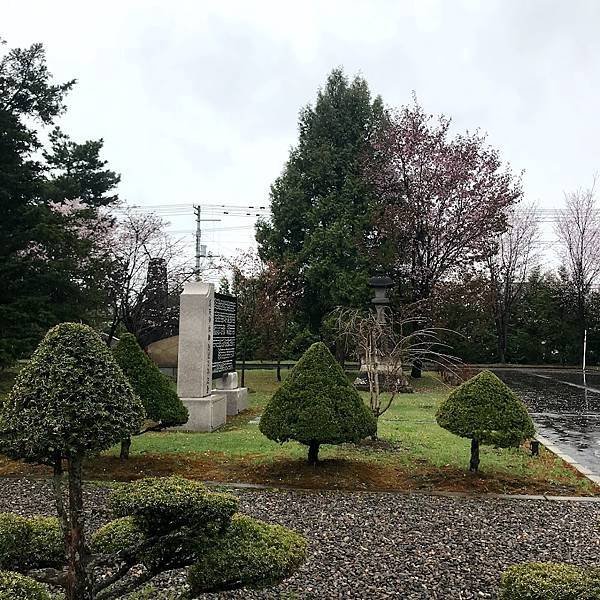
(223, 356)
(206, 351)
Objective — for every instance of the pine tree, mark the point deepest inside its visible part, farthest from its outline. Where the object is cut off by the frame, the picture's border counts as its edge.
(51, 264)
(316, 404)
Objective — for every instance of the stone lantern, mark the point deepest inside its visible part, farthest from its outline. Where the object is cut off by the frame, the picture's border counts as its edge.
(380, 286)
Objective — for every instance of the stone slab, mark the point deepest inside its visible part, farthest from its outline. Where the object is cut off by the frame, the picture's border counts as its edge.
(237, 400)
(229, 381)
(206, 414)
(194, 377)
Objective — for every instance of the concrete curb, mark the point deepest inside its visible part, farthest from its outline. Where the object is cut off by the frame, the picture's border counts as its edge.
(442, 494)
(594, 477)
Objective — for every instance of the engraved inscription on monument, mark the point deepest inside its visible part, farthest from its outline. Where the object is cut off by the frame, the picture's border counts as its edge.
(224, 327)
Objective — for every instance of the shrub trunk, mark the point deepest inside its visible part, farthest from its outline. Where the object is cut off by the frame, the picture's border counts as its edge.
(474, 464)
(78, 584)
(313, 453)
(125, 448)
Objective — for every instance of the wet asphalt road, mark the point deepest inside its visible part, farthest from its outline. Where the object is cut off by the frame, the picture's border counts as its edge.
(564, 409)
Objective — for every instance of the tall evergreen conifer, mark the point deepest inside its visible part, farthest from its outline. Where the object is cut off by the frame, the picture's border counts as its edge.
(320, 204)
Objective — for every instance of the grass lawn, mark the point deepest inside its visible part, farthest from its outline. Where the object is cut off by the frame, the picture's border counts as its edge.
(412, 453)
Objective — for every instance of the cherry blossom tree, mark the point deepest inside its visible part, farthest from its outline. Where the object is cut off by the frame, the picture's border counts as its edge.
(440, 197)
(140, 247)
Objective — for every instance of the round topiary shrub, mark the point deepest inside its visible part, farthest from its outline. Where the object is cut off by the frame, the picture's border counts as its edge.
(30, 542)
(317, 405)
(116, 536)
(71, 399)
(46, 544)
(160, 400)
(250, 554)
(550, 581)
(14, 586)
(164, 504)
(14, 536)
(486, 411)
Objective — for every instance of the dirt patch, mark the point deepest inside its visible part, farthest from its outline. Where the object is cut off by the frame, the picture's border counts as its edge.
(337, 474)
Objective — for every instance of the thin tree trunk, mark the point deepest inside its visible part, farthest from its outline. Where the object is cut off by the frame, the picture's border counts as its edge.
(78, 581)
(279, 368)
(474, 464)
(313, 453)
(111, 333)
(243, 368)
(501, 339)
(57, 488)
(125, 448)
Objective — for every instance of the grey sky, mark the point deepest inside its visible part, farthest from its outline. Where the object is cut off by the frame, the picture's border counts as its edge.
(198, 101)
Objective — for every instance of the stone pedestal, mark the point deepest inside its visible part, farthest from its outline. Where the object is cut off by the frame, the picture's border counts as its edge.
(237, 397)
(206, 414)
(387, 382)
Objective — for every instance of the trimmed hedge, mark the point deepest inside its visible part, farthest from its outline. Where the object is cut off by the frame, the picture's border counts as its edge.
(160, 505)
(550, 581)
(250, 554)
(46, 542)
(71, 398)
(486, 409)
(316, 404)
(14, 586)
(160, 400)
(116, 536)
(30, 542)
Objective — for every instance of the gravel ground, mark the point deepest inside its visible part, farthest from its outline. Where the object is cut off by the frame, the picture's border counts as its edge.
(367, 546)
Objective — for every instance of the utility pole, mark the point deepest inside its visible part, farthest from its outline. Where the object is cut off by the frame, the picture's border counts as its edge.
(584, 352)
(200, 247)
(197, 212)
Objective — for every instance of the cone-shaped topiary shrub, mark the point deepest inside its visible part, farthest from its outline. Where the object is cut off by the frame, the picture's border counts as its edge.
(486, 411)
(160, 400)
(550, 581)
(317, 405)
(71, 400)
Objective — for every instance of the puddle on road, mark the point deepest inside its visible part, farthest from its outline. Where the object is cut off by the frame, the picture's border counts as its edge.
(567, 415)
(547, 395)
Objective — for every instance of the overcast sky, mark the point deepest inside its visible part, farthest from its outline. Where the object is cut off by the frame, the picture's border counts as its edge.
(198, 101)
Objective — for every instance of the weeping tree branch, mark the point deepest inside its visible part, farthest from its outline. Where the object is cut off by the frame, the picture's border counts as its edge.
(383, 348)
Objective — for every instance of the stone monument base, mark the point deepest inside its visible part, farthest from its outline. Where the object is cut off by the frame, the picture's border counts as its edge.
(206, 414)
(237, 400)
(237, 397)
(387, 383)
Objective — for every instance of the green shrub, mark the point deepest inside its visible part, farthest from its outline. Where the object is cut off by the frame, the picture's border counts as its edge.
(316, 404)
(250, 554)
(14, 537)
(46, 542)
(164, 504)
(486, 411)
(70, 398)
(14, 586)
(116, 536)
(160, 400)
(30, 542)
(550, 581)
